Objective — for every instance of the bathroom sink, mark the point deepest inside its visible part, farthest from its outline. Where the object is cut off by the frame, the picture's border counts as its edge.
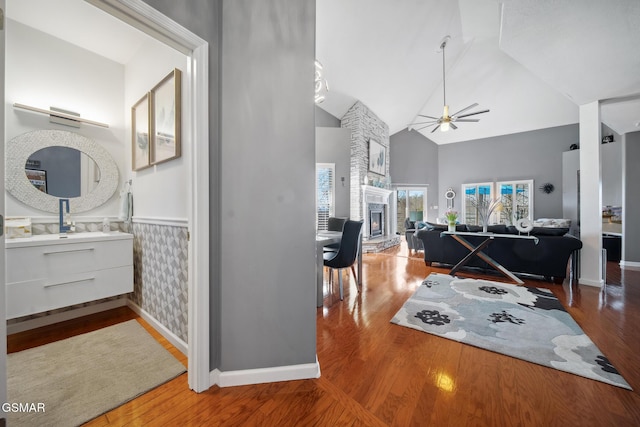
(49, 239)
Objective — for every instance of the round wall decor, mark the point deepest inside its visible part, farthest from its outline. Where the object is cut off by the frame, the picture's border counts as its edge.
(547, 188)
(449, 194)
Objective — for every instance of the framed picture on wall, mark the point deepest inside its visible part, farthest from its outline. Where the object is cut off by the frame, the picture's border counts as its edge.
(37, 178)
(140, 125)
(377, 157)
(166, 118)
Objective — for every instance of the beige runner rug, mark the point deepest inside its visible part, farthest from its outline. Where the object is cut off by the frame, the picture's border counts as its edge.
(69, 382)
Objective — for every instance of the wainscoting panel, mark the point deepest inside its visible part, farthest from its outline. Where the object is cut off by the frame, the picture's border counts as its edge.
(160, 275)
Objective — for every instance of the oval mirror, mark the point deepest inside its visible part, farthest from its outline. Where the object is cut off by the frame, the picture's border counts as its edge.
(62, 172)
(28, 188)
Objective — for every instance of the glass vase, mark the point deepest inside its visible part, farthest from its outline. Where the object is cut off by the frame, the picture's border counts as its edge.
(452, 227)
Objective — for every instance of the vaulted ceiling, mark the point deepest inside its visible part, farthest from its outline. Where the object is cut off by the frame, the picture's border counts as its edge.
(531, 62)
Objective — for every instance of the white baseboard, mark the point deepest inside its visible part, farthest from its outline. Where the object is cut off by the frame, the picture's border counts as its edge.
(162, 330)
(62, 316)
(265, 375)
(589, 282)
(630, 265)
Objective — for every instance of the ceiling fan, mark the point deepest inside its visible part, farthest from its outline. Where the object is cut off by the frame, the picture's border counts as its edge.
(446, 121)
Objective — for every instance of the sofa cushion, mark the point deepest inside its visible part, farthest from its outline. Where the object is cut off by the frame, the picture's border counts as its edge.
(432, 226)
(444, 227)
(496, 228)
(549, 231)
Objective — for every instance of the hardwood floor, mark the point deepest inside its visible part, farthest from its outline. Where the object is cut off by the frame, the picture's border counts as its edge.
(375, 373)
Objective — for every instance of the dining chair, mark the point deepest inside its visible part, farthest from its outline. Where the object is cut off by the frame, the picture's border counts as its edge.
(347, 252)
(334, 224)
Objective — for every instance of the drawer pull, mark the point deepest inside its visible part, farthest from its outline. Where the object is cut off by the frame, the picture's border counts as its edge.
(51, 285)
(69, 250)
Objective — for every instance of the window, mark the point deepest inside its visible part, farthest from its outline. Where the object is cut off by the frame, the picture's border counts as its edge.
(474, 194)
(411, 203)
(325, 194)
(517, 200)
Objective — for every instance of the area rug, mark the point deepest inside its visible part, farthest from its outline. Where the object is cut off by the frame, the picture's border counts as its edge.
(69, 382)
(523, 322)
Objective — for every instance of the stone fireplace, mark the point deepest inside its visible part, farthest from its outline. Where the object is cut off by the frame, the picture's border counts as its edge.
(370, 203)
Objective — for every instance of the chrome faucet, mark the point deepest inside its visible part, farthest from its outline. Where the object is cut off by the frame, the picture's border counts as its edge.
(63, 227)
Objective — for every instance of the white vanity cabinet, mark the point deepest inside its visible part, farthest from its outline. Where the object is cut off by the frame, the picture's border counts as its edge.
(47, 272)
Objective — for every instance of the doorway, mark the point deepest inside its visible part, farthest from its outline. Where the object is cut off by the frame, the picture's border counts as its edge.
(195, 129)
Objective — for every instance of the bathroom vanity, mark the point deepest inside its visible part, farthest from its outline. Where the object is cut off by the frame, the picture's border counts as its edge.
(47, 272)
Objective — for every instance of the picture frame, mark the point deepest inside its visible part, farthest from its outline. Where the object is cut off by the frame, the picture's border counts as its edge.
(141, 129)
(38, 178)
(377, 157)
(166, 112)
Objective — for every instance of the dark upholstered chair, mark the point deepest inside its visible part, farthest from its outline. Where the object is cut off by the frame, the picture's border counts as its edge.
(347, 252)
(334, 224)
(413, 243)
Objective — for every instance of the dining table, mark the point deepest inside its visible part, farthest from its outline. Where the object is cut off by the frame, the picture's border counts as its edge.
(324, 238)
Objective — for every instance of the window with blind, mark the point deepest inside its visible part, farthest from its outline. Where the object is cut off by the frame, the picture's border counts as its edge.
(325, 193)
(473, 195)
(516, 198)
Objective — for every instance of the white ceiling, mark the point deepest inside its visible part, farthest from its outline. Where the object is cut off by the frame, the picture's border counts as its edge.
(531, 62)
(81, 24)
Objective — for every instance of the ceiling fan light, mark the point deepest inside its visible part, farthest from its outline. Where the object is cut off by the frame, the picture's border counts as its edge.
(444, 126)
(445, 112)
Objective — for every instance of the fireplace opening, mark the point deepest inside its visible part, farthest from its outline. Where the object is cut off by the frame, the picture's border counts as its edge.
(375, 222)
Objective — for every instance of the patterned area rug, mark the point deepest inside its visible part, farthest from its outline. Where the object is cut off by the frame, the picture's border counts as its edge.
(522, 322)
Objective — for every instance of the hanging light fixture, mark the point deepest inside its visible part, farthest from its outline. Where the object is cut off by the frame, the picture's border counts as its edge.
(321, 84)
(446, 121)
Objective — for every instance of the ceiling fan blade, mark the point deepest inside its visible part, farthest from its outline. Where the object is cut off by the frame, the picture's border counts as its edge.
(435, 128)
(454, 127)
(466, 120)
(426, 126)
(423, 123)
(475, 104)
(473, 114)
(428, 117)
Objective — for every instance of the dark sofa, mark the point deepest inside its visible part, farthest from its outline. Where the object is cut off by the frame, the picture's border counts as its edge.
(549, 258)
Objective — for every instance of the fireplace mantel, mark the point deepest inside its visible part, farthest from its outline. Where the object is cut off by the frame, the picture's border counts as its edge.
(371, 194)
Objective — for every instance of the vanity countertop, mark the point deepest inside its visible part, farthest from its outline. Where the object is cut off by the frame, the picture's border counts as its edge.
(55, 239)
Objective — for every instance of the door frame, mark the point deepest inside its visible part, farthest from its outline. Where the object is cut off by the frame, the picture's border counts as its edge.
(3, 324)
(195, 127)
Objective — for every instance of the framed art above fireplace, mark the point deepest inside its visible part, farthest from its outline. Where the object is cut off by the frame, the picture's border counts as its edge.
(377, 157)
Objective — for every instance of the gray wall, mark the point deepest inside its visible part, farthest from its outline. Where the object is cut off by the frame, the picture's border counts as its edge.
(333, 145)
(267, 184)
(326, 120)
(414, 160)
(533, 155)
(262, 177)
(631, 199)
